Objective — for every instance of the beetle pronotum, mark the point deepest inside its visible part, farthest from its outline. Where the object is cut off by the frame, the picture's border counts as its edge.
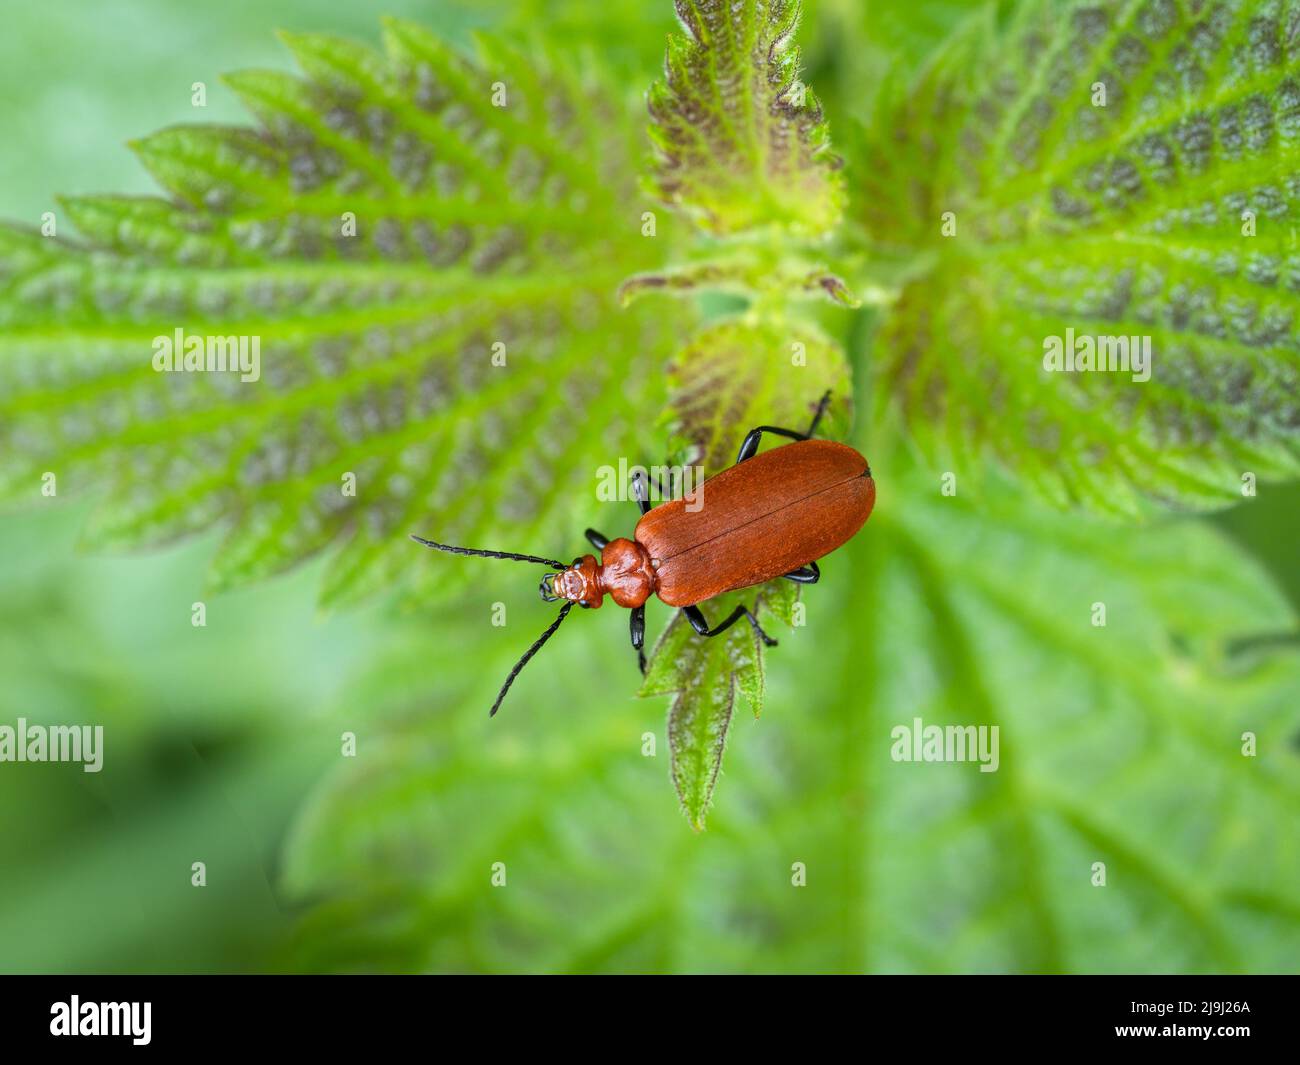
(770, 515)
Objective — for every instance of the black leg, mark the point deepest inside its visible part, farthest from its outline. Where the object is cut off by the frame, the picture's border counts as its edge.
(808, 574)
(597, 540)
(822, 404)
(665, 493)
(701, 626)
(639, 492)
(750, 446)
(638, 635)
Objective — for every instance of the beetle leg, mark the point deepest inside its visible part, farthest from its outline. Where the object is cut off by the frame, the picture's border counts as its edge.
(639, 492)
(750, 446)
(808, 574)
(638, 635)
(597, 540)
(701, 626)
(664, 494)
(822, 404)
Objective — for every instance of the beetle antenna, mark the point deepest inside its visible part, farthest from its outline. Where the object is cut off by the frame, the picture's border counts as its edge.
(537, 646)
(489, 554)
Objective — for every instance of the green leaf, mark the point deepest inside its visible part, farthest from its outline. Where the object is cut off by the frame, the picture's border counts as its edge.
(742, 145)
(745, 275)
(476, 226)
(1123, 217)
(703, 676)
(741, 141)
(956, 613)
(735, 374)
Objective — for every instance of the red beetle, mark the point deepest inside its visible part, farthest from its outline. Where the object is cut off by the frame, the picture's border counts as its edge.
(770, 515)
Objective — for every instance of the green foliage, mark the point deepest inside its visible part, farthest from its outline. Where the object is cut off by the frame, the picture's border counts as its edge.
(476, 226)
(742, 142)
(744, 151)
(736, 373)
(520, 224)
(479, 229)
(1126, 218)
(1119, 744)
(779, 277)
(704, 677)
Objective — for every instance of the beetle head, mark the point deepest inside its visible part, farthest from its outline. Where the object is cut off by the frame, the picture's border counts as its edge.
(578, 583)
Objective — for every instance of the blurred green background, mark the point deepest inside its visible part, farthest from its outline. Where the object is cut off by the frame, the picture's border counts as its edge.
(223, 742)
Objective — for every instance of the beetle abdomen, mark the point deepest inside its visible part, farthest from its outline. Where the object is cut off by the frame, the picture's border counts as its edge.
(765, 517)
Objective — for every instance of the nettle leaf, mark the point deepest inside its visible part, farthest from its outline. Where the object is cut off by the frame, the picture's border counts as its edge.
(1111, 169)
(955, 612)
(742, 149)
(739, 372)
(741, 141)
(746, 275)
(704, 676)
(734, 375)
(495, 214)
